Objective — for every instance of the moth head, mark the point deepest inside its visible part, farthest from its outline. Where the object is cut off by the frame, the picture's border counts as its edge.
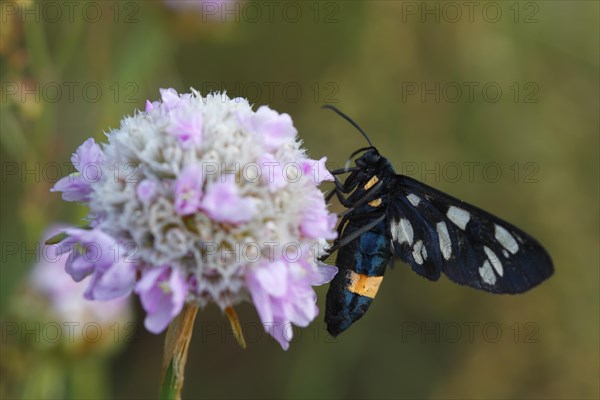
(369, 161)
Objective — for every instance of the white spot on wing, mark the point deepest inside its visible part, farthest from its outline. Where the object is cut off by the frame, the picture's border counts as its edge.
(506, 239)
(424, 252)
(458, 216)
(402, 231)
(494, 260)
(505, 253)
(417, 252)
(444, 237)
(394, 229)
(414, 199)
(487, 274)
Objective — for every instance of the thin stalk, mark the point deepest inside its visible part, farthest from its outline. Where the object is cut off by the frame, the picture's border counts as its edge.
(177, 342)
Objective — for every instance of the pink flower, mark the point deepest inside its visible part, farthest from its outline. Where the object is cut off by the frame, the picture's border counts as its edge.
(174, 209)
(112, 283)
(325, 274)
(283, 295)
(170, 98)
(97, 254)
(272, 171)
(316, 169)
(186, 126)
(317, 222)
(188, 190)
(64, 295)
(150, 105)
(222, 203)
(162, 291)
(146, 190)
(88, 161)
(275, 129)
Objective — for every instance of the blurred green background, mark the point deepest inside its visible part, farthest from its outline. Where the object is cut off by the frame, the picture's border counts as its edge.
(494, 102)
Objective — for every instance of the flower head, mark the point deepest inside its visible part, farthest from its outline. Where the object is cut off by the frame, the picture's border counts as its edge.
(61, 299)
(202, 199)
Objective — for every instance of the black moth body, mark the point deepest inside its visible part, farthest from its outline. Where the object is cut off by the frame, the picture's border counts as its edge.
(390, 215)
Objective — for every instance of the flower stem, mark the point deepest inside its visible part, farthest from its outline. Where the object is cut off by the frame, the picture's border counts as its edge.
(238, 334)
(177, 343)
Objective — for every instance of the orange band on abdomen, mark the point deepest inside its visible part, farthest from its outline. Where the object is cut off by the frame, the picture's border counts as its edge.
(363, 284)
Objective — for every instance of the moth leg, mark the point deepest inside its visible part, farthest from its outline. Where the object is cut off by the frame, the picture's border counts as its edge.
(344, 241)
(345, 187)
(352, 181)
(334, 246)
(341, 171)
(352, 205)
(345, 217)
(372, 193)
(354, 218)
(358, 217)
(341, 226)
(339, 189)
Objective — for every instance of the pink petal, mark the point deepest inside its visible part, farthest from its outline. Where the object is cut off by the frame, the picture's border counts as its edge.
(149, 278)
(316, 225)
(304, 311)
(88, 294)
(316, 170)
(188, 190)
(273, 278)
(149, 106)
(178, 288)
(87, 153)
(159, 320)
(153, 299)
(275, 129)
(146, 190)
(187, 127)
(78, 268)
(281, 331)
(117, 282)
(222, 203)
(170, 98)
(272, 172)
(261, 301)
(73, 188)
(325, 274)
(161, 304)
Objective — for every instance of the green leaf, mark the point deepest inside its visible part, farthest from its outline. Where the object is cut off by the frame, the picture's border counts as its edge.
(56, 239)
(59, 237)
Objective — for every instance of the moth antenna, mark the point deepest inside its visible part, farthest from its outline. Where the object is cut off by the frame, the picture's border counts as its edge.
(347, 118)
(347, 164)
(361, 150)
